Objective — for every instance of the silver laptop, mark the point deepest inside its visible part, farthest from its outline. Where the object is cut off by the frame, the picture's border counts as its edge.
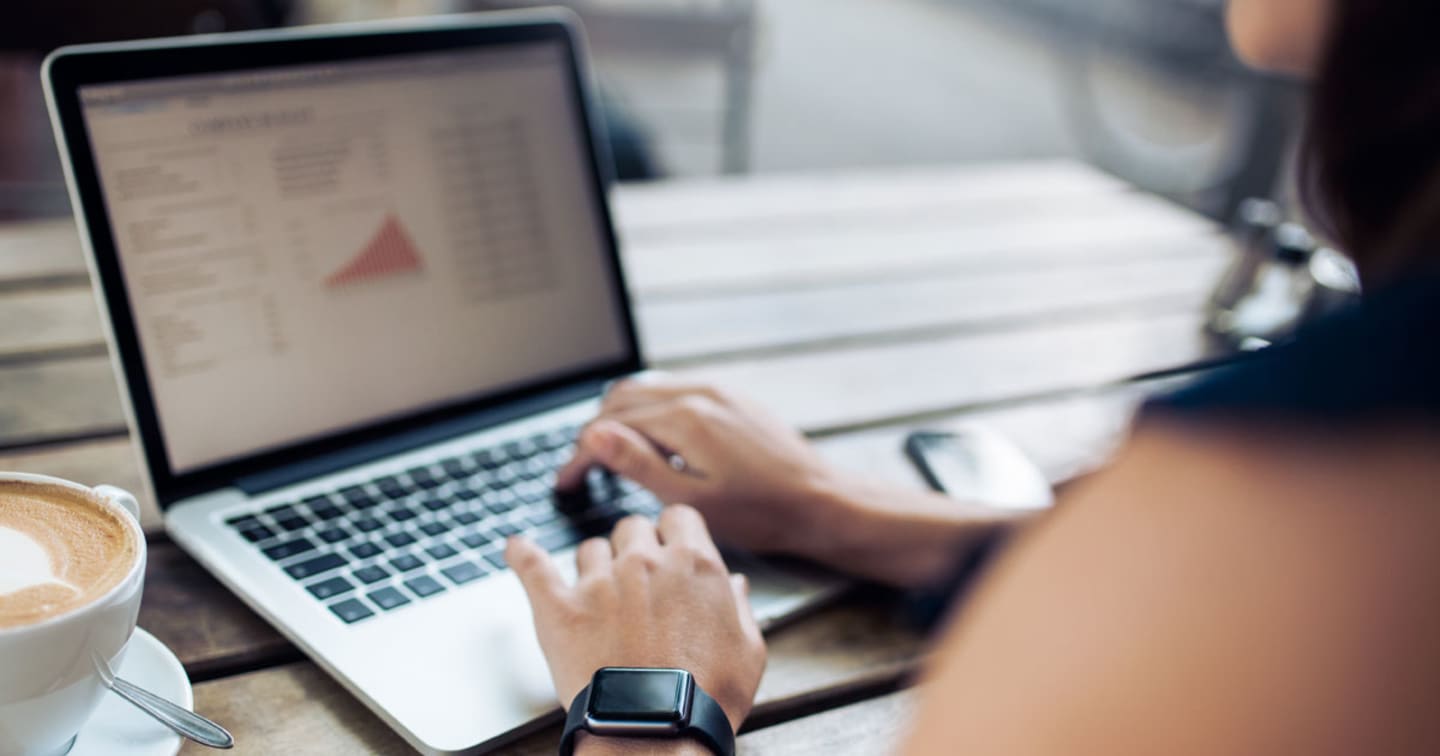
(362, 291)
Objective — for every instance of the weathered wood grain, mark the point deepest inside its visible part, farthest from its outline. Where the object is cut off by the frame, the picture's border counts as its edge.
(869, 728)
(114, 461)
(733, 202)
(698, 329)
(821, 658)
(209, 630)
(34, 323)
(702, 265)
(58, 398)
(40, 253)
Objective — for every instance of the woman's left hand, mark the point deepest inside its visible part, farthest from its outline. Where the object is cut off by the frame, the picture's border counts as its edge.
(650, 596)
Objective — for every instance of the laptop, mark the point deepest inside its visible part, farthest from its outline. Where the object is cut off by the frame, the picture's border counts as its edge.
(362, 291)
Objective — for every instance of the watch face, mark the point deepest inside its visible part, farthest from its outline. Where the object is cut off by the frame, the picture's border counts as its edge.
(638, 695)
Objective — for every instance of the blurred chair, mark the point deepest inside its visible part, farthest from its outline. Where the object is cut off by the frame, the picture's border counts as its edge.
(676, 30)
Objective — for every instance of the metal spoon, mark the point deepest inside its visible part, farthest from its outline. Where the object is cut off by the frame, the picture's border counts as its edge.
(187, 723)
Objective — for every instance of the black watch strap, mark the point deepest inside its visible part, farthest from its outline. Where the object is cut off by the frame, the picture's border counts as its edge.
(708, 723)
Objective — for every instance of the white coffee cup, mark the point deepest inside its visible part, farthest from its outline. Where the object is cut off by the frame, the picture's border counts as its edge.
(49, 682)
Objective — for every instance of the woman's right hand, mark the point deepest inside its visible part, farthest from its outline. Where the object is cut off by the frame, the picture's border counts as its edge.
(763, 488)
(758, 482)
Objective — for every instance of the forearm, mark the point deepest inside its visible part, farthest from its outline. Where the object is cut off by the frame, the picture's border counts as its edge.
(898, 536)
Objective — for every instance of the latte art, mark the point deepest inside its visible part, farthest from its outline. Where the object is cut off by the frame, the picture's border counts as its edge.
(60, 549)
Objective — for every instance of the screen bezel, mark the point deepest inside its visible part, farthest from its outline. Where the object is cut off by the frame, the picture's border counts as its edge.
(69, 69)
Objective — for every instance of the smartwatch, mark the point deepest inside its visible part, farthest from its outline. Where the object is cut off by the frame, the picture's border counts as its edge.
(634, 702)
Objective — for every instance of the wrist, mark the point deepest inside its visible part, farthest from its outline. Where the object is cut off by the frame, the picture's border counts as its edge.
(900, 536)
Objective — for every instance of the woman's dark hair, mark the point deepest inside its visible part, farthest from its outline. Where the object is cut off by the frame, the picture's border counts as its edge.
(1371, 159)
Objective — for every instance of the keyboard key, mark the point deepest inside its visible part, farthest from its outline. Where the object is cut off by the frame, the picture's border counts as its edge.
(466, 518)
(455, 468)
(332, 535)
(365, 550)
(435, 504)
(243, 522)
(357, 497)
(316, 501)
(400, 514)
(467, 494)
(463, 572)
(423, 478)
(435, 528)
(281, 511)
(291, 524)
(559, 539)
(288, 549)
(424, 586)
(367, 524)
(496, 559)
(475, 540)
(372, 574)
(256, 533)
(329, 588)
(327, 512)
(440, 551)
(351, 611)
(388, 598)
(507, 529)
(399, 539)
(406, 563)
(312, 567)
(392, 487)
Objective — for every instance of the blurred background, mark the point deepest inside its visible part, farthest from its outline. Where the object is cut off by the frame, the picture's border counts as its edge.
(1145, 89)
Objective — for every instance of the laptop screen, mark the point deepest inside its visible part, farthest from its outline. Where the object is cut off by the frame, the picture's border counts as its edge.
(315, 248)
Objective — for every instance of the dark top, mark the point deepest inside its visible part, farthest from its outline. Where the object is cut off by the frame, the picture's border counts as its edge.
(1378, 361)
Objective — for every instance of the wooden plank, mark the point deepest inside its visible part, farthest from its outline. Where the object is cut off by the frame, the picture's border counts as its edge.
(296, 708)
(869, 727)
(35, 322)
(36, 252)
(845, 389)
(63, 398)
(114, 461)
(694, 329)
(207, 627)
(733, 202)
(704, 266)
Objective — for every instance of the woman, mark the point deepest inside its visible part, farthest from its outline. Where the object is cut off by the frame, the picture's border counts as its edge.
(1256, 572)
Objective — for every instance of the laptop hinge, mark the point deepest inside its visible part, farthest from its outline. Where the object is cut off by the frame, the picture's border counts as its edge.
(402, 442)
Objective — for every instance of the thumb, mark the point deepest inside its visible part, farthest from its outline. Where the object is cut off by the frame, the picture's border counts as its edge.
(537, 573)
(741, 586)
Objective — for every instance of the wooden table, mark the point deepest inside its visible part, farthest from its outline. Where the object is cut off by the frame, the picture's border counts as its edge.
(1042, 298)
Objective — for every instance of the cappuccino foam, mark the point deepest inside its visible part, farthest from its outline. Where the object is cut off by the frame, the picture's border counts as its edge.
(60, 549)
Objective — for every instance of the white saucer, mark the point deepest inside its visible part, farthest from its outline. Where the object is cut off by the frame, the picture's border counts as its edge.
(118, 728)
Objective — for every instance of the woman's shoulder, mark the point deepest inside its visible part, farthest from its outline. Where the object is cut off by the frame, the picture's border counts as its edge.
(1377, 361)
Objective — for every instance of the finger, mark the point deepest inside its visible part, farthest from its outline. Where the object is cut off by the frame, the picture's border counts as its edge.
(740, 585)
(626, 452)
(632, 393)
(571, 475)
(592, 557)
(537, 573)
(680, 524)
(634, 533)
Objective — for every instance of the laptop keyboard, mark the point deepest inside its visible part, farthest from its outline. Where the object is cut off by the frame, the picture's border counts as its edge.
(363, 550)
